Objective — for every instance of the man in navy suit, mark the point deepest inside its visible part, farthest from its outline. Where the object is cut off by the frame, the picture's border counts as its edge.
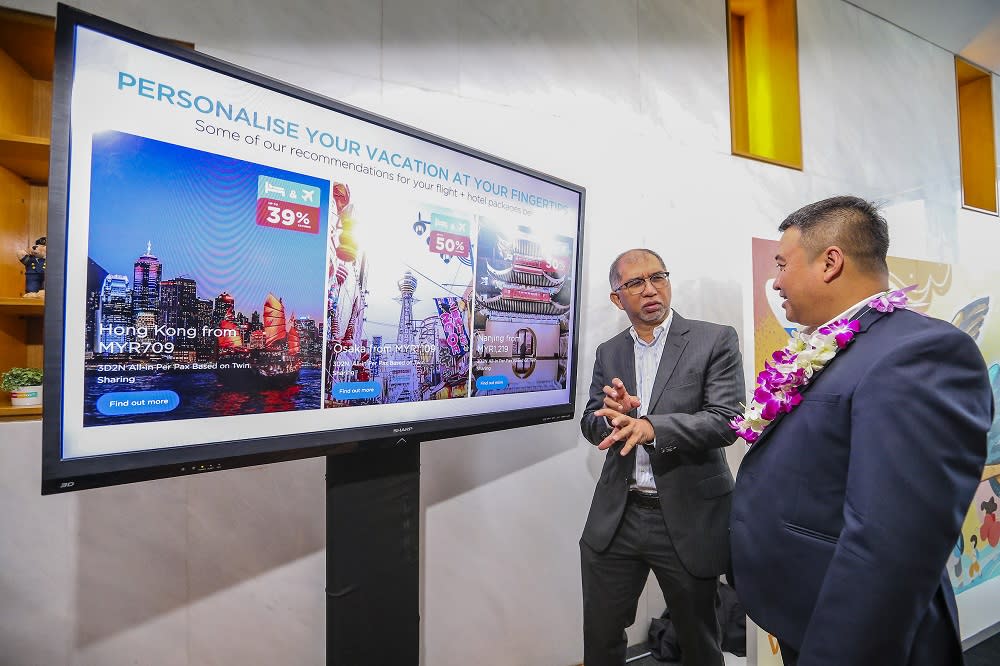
(846, 508)
(662, 394)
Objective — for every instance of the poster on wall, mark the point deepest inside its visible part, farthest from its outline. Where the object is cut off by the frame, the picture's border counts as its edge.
(962, 295)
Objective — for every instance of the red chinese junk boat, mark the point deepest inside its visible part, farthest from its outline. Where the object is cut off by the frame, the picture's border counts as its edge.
(276, 365)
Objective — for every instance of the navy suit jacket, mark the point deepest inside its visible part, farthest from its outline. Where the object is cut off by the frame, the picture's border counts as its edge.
(845, 510)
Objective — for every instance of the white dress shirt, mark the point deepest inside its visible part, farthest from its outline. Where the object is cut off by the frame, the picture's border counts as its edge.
(647, 361)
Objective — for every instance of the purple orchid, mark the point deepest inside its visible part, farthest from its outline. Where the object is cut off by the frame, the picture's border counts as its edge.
(770, 376)
(783, 356)
(743, 429)
(842, 330)
(775, 402)
(773, 379)
(891, 300)
(783, 373)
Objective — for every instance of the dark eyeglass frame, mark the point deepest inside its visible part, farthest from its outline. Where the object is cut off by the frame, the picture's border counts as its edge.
(636, 286)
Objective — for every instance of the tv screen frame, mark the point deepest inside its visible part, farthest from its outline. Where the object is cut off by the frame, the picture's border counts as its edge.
(64, 474)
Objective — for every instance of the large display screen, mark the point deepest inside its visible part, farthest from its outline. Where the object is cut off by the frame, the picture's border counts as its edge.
(243, 271)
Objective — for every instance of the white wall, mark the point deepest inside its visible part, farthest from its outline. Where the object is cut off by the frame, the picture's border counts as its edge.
(629, 99)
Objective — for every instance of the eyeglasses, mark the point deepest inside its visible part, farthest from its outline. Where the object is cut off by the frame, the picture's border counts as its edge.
(637, 285)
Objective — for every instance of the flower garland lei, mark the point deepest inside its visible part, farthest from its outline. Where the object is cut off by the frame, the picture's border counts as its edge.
(780, 383)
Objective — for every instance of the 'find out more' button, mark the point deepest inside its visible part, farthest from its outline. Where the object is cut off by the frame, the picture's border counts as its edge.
(356, 390)
(491, 382)
(137, 402)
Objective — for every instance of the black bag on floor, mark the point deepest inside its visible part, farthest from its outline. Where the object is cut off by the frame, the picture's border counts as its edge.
(663, 638)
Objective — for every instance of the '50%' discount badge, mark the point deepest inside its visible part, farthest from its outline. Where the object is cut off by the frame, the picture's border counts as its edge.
(449, 235)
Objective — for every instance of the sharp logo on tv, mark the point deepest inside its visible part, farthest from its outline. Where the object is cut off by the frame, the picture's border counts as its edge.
(254, 270)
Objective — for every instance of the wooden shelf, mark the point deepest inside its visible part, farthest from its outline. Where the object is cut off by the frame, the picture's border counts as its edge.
(30, 40)
(22, 307)
(11, 413)
(27, 48)
(27, 156)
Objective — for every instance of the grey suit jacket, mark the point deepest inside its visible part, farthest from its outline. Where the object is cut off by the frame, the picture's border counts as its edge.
(697, 390)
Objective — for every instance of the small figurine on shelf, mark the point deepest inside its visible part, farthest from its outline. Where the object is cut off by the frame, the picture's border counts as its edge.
(34, 269)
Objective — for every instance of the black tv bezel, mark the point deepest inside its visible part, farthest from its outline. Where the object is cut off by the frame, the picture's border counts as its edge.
(66, 475)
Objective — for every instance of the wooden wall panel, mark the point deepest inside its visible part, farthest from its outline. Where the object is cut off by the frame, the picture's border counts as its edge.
(33, 354)
(14, 196)
(18, 89)
(38, 207)
(13, 351)
(41, 109)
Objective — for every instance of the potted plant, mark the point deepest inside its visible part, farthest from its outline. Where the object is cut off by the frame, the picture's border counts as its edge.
(24, 386)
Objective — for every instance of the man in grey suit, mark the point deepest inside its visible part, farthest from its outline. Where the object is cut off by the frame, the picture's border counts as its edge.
(662, 395)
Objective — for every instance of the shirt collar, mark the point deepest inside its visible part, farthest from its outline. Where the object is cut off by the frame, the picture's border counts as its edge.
(809, 330)
(662, 330)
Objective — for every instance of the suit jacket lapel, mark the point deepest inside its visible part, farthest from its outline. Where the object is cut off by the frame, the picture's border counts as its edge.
(673, 346)
(866, 321)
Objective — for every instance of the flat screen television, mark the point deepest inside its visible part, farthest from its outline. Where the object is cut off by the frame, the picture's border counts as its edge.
(241, 271)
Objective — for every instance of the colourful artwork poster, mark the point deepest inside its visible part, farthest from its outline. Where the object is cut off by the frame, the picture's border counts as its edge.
(963, 295)
(397, 316)
(203, 294)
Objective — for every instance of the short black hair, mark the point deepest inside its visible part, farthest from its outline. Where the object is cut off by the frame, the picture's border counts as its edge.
(853, 224)
(614, 276)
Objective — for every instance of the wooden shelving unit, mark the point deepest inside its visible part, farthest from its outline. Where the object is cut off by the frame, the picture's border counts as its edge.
(27, 156)
(11, 413)
(21, 307)
(27, 47)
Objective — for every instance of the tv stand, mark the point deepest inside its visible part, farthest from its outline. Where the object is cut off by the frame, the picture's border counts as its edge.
(372, 555)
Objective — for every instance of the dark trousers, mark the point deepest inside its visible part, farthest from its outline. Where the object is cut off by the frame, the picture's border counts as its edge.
(613, 581)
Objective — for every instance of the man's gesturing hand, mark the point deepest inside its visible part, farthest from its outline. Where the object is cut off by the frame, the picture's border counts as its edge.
(616, 397)
(617, 402)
